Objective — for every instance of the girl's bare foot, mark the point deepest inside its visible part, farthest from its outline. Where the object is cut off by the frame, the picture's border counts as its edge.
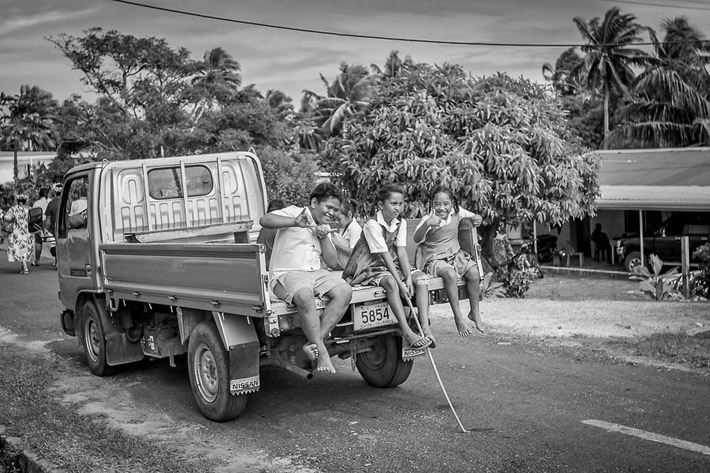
(478, 323)
(323, 362)
(464, 326)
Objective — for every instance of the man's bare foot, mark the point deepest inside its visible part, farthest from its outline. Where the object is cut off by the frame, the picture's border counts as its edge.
(464, 326)
(325, 365)
(311, 351)
(478, 323)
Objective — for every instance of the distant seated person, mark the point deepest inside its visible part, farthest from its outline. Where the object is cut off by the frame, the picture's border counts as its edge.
(348, 234)
(78, 214)
(600, 240)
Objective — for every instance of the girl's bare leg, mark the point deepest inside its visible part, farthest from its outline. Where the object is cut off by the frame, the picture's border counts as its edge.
(473, 287)
(463, 325)
(421, 295)
(389, 284)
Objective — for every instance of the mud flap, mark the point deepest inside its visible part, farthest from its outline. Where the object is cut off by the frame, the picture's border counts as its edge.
(119, 350)
(244, 368)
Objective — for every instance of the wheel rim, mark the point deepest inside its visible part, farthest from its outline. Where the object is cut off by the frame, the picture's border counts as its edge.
(205, 371)
(375, 358)
(93, 340)
(633, 263)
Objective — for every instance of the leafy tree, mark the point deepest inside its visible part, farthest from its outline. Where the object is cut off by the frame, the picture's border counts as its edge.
(288, 176)
(607, 66)
(669, 106)
(500, 144)
(26, 122)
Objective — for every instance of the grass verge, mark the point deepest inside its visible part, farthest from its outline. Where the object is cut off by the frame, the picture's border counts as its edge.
(687, 350)
(66, 439)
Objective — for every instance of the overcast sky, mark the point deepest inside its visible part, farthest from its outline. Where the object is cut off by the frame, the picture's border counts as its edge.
(292, 61)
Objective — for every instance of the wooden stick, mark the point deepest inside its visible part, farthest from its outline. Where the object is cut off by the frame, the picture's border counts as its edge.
(433, 365)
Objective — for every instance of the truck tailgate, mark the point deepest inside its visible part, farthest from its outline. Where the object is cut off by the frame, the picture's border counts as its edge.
(226, 277)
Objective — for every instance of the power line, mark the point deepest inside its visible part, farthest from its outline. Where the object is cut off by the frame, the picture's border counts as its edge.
(376, 37)
(665, 5)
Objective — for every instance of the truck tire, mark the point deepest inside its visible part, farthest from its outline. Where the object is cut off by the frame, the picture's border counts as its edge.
(632, 260)
(93, 340)
(208, 365)
(383, 366)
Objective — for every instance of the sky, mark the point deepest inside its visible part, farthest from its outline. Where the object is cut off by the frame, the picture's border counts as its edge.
(293, 61)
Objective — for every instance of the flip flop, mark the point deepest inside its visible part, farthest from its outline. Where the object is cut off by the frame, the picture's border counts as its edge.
(421, 343)
(433, 342)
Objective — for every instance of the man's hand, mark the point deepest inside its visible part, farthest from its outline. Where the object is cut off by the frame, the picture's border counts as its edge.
(303, 220)
(477, 220)
(322, 230)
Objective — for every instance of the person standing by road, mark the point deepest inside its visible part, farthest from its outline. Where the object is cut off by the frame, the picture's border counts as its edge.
(302, 247)
(40, 235)
(50, 218)
(20, 245)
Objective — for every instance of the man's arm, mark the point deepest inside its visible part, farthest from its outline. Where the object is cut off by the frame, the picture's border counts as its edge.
(328, 251)
(274, 221)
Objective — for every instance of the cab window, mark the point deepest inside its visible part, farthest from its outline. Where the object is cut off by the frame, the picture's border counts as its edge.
(166, 183)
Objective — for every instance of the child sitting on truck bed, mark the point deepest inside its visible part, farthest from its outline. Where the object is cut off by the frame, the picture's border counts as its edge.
(301, 248)
(439, 254)
(380, 259)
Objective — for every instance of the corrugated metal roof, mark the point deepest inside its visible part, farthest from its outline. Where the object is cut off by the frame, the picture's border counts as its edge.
(657, 179)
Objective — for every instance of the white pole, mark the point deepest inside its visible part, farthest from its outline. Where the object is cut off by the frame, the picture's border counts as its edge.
(641, 236)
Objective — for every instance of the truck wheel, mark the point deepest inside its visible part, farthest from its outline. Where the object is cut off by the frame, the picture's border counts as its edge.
(632, 260)
(208, 365)
(94, 341)
(383, 366)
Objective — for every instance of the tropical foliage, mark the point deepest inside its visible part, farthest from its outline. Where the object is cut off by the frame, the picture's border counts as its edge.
(26, 122)
(500, 144)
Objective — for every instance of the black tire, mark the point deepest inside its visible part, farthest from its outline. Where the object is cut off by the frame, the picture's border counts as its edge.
(632, 260)
(383, 366)
(93, 340)
(208, 365)
(545, 256)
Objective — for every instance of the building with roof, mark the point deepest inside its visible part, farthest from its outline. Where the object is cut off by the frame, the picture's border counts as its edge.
(25, 162)
(640, 189)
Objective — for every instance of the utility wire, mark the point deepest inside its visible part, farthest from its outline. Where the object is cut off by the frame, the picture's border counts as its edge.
(384, 38)
(665, 5)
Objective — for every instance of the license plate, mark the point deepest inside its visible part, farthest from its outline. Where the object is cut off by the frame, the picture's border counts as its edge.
(372, 316)
(244, 385)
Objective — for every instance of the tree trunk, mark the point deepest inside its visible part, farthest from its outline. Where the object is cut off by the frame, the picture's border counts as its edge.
(15, 170)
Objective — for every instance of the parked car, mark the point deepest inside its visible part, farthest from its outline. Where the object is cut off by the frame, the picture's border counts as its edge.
(665, 241)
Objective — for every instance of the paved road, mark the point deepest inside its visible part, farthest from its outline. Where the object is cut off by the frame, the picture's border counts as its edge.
(528, 407)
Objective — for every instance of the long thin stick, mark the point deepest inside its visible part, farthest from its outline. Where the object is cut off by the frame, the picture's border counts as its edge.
(433, 365)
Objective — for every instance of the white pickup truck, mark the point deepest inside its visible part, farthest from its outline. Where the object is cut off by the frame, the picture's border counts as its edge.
(158, 258)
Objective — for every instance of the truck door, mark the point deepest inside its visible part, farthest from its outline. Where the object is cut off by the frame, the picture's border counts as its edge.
(74, 240)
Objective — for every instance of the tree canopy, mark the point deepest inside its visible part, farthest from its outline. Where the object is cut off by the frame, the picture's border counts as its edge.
(500, 144)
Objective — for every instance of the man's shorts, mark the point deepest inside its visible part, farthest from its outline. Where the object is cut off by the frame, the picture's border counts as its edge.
(319, 282)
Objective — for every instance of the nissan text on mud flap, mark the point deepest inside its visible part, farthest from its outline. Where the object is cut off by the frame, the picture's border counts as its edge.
(158, 258)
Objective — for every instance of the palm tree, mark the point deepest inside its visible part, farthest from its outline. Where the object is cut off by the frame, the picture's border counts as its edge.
(669, 107)
(218, 80)
(26, 122)
(559, 74)
(349, 92)
(608, 61)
